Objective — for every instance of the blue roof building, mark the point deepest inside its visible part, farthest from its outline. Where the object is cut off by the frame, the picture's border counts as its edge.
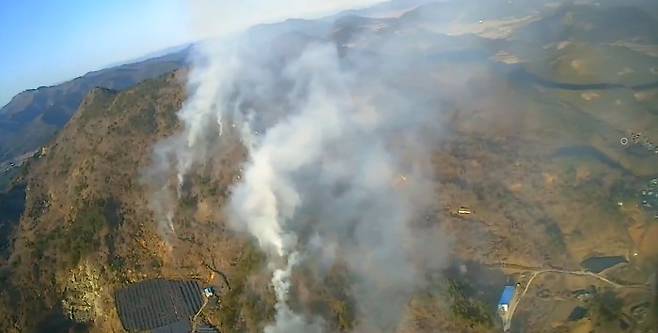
(506, 298)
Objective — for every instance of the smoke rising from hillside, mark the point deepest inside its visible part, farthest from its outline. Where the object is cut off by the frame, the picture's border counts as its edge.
(336, 174)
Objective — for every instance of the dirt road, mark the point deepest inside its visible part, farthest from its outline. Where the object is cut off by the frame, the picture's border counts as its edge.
(536, 271)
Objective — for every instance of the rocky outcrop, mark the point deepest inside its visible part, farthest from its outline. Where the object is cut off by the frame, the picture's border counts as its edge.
(82, 293)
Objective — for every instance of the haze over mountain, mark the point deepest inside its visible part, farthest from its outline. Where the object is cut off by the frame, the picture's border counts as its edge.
(22, 126)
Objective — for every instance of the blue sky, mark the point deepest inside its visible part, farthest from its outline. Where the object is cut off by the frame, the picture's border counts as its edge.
(44, 42)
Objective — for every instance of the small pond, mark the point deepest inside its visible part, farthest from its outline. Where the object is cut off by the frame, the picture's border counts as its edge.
(599, 264)
(578, 313)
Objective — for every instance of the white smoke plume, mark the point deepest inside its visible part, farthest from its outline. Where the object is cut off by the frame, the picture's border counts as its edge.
(285, 319)
(337, 169)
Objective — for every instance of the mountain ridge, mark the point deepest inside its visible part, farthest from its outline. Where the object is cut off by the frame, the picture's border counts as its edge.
(33, 116)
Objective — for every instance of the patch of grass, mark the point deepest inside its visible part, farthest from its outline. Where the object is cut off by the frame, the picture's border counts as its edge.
(608, 305)
(80, 239)
(466, 307)
(65, 164)
(16, 262)
(83, 235)
(341, 304)
(240, 303)
(207, 187)
(97, 102)
(554, 234)
(145, 121)
(117, 264)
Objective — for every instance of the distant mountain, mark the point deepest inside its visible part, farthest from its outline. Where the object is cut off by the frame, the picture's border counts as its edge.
(152, 55)
(593, 24)
(33, 117)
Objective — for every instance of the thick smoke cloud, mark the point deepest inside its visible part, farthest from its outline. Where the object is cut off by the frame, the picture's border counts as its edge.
(337, 170)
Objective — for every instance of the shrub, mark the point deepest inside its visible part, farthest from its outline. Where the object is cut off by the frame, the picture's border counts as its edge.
(608, 305)
(83, 236)
(467, 307)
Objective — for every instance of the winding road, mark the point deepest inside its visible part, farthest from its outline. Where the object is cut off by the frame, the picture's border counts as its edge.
(536, 271)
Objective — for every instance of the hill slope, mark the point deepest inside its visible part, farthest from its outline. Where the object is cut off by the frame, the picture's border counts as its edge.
(32, 117)
(87, 217)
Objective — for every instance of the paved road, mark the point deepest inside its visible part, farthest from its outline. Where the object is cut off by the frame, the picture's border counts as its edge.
(536, 271)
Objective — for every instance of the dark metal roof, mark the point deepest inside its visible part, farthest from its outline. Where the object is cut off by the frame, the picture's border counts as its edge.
(206, 329)
(182, 326)
(159, 303)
